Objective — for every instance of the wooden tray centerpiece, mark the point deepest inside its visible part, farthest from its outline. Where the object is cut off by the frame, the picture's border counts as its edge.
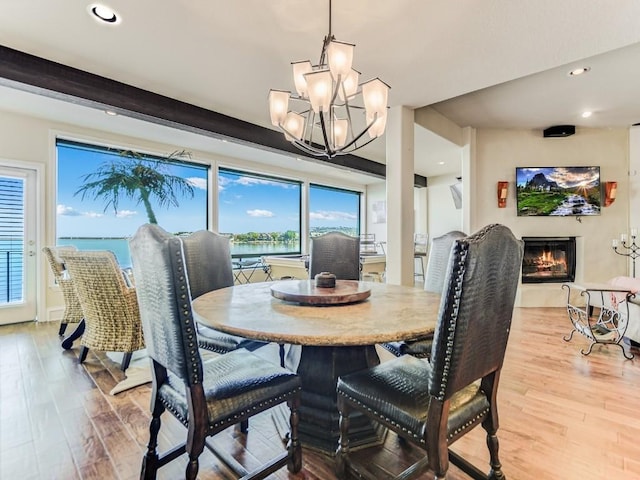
(307, 293)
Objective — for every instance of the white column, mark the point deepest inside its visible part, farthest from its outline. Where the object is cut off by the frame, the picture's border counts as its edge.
(400, 214)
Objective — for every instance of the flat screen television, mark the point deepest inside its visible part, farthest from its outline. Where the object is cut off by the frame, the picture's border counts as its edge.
(558, 191)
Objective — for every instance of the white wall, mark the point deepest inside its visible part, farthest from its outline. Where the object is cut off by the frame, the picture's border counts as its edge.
(376, 193)
(499, 152)
(443, 215)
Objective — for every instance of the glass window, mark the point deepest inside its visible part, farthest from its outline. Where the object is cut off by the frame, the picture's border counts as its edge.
(260, 214)
(105, 194)
(11, 239)
(333, 209)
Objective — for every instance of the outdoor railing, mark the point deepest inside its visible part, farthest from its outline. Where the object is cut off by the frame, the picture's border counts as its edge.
(10, 276)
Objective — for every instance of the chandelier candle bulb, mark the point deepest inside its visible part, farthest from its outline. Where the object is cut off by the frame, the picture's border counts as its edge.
(634, 233)
(300, 69)
(278, 106)
(340, 129)
(349, 85)
(375, 93)
(623, 237)
(378, 127)
(293, 126)
(340, 57)
(319, 85)
(614, 243)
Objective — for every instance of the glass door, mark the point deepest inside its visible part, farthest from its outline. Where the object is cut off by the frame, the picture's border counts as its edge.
(18, 281)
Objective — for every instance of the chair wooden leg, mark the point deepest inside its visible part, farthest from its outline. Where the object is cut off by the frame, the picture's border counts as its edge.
(150, 460)
(197, 430)
(496, 467)
(294, 464)
(342, 453)
(244, 426)
(83, 354)
(126, 360)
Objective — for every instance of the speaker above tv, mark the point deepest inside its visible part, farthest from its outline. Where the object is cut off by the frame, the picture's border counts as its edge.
(559, 131)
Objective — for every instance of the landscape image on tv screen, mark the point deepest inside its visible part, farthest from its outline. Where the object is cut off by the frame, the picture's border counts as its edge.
(558, 191)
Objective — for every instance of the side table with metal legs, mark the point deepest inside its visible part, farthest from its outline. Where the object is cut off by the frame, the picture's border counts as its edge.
(609, 325)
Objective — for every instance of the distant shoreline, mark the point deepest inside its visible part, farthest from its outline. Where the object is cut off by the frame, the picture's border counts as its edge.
(93, 238)
(127, 238)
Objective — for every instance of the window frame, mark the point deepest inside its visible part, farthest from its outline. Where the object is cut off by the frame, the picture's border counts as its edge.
(237, 170)
(359, 194)
(95, 145)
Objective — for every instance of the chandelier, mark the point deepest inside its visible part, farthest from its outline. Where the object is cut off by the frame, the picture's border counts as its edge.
(335, 112)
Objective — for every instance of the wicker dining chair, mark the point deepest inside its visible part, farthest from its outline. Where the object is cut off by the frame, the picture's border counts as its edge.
(205, 396)
(109, 304)
(72, 309)
(431, 404)
(433, 282)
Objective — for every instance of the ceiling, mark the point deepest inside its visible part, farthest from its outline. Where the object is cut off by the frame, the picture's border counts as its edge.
(495, 63)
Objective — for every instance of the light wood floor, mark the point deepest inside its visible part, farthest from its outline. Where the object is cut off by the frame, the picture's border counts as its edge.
(563, 415)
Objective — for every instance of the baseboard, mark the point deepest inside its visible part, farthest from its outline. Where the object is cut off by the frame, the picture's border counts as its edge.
(53, 314)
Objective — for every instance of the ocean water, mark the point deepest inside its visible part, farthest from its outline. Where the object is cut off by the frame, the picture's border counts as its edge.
(11, 258)
(120, 248)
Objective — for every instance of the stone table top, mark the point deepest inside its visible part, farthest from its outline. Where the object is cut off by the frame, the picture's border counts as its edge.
(391, 313)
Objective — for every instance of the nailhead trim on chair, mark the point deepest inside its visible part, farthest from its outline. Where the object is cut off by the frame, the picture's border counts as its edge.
(261, 406)
(233, 420)
(182, 293)
(418, 437)
(459, 273)
(469, 423)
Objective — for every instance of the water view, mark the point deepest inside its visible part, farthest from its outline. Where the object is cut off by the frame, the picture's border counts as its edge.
(120, 248)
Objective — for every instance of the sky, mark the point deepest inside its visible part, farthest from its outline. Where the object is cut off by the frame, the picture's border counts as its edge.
(247, 203)
(565, 177)
(88, 217)
(257, 204)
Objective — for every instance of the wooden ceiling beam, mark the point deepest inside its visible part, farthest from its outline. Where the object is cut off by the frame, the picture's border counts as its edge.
(45, 77)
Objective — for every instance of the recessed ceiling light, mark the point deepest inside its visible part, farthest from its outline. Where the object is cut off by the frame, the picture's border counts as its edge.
(579, 71)
(110, 112)
(440, 163)
(104, 14)
(586, 114)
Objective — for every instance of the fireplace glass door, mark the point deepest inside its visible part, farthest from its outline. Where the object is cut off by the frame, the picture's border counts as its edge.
(549, 260)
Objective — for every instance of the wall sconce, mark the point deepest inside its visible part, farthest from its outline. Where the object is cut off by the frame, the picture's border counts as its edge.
(502, 194)
(610, 189)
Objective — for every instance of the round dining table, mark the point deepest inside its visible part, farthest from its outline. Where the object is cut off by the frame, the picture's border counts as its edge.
(336, 339)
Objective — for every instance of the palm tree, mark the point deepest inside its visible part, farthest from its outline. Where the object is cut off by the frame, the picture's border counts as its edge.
(138, 178)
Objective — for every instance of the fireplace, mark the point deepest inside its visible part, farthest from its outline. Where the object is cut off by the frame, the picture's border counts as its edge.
(549, 259)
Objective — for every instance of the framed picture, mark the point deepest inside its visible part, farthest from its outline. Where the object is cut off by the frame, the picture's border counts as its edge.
(380, 212)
